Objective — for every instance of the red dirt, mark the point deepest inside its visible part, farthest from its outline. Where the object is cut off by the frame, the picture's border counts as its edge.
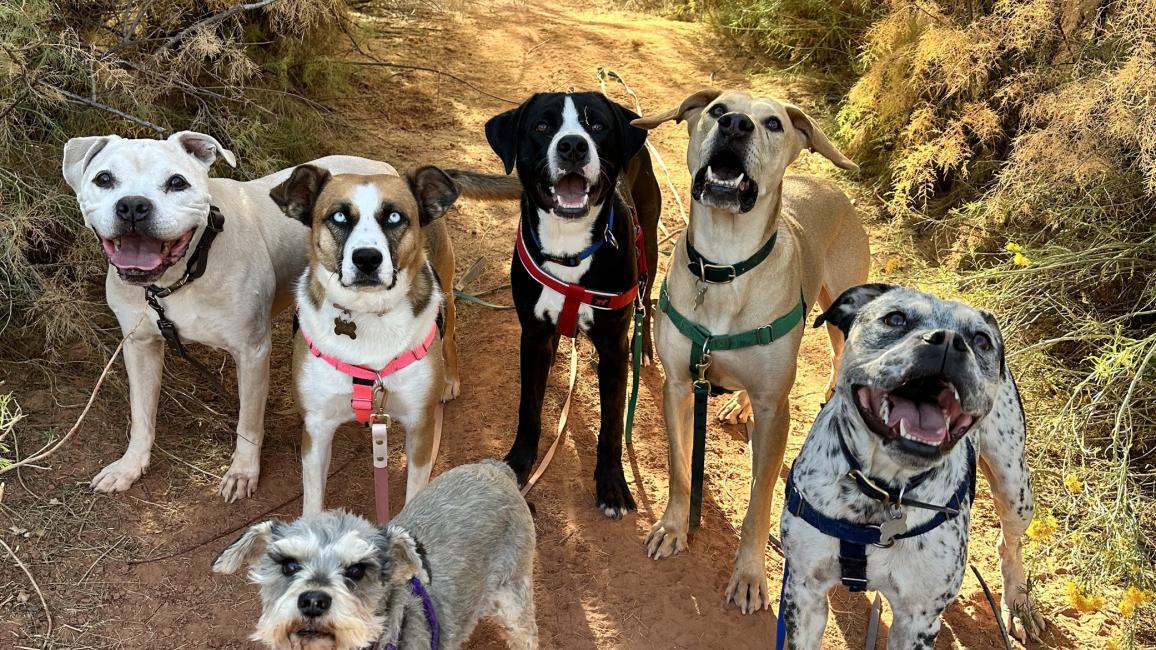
(594, 586)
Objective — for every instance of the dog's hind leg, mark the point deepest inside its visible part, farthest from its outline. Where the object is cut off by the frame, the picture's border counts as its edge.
(514, 608)
(144, 359)
(252, 361)
(453, 382)
(1003, 463)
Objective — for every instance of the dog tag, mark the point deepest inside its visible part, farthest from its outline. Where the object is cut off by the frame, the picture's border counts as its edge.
(700, 296)
(889, 529)
(343, 326)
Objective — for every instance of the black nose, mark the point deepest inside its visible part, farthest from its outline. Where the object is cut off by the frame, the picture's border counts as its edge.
(574, 149)
(134, 209)
(736, 125)
(314, 603)
(366, 259)
(945, 339)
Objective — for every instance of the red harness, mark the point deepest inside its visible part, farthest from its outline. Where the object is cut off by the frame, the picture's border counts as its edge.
(575, 295)
(364, 378)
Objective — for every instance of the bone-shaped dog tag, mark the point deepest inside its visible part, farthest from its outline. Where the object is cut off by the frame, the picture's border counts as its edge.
(889, 529)
(344, 327)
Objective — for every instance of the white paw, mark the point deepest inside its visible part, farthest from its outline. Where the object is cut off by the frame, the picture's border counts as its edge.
(748, 590)
(453, 388)
(240, 482)
(120, 476)
(737, 409)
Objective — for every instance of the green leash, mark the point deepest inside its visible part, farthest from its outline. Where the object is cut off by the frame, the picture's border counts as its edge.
(635, 368)
(702, 344)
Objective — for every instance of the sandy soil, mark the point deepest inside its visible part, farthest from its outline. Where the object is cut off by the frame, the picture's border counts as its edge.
(594, 586)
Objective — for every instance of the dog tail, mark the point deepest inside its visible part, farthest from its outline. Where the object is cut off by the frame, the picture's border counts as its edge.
(486, 187)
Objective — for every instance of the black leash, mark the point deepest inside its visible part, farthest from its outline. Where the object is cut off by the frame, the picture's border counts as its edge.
(194, 269)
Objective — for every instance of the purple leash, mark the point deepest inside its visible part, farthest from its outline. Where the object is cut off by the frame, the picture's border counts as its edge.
(430, 616)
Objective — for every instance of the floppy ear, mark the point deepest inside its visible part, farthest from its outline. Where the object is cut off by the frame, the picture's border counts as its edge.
(205, 148)
(297, 195)
(633, 137)
(502, 132)
(816, 140)
(78, 152)
(989, 318)
(687, 110)
(847, 306)
(402, 557)
(248, 547)
(434, 190)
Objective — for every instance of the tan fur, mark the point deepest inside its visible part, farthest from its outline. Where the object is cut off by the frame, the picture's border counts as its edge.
(822, 249)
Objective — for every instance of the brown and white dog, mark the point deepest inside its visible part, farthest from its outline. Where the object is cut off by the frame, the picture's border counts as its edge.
(380, 271)
(740, 147)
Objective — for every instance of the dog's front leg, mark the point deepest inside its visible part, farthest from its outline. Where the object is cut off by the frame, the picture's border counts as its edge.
(240, 481)
(748, 584)
(804, 611)
(144, 360)
(614, 497)
(537, 354)
(316, 452)
(419, 439)
(668, 535)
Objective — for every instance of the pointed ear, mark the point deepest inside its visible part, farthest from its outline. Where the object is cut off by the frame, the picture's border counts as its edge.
(205, 148)
(434, 190)
(815, 140)
(989, 318)
(78, 153)
(297, 195)
(847, 306)
(402, 557)
(687, 110)
(248, 547)
(633, 137)
(502, 131)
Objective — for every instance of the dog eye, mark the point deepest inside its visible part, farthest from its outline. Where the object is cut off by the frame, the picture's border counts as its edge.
(103, 179)
(895, 319)
(355, 572)
(339, 217)
(597, 127)
(541, 127)
(982, 342)
(718, 110)
(774, 124)
(290, 567)
(177, 183)
(394, 218)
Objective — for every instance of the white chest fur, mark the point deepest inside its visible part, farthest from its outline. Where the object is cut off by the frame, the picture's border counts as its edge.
(559, 237)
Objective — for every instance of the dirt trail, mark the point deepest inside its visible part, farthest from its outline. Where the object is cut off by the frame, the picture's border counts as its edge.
(594, 586)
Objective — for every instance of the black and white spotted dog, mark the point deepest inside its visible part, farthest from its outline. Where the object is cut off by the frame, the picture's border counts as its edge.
(923, 393)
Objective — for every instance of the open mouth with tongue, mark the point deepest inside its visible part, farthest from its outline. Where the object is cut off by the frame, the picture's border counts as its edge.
(723, 183)
(141, 259)
(570, 195)
(924, 416)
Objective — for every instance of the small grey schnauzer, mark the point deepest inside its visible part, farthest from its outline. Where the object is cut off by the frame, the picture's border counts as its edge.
(463, 548)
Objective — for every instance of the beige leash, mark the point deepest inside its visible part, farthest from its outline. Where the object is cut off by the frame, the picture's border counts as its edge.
(563, 419)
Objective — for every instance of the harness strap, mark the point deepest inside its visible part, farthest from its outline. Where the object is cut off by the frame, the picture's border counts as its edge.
(702, 343)
(431, 618)
(712, 273)
(575, 260)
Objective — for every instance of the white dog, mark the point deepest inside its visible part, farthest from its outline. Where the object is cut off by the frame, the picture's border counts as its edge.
(150, 204)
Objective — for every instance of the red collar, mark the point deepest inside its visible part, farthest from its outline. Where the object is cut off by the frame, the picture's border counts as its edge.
(575, 295)
(365, 378)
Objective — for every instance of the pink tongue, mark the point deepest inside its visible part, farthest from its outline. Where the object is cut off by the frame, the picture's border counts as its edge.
(137, 252)
(571, 188)
(924, 420)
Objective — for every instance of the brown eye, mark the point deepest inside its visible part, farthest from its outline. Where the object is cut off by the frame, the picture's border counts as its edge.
(103, 179)
(718, 110)
(597, 127)
(895, 319)
(176, 183)
(981, 342)
(290, 567)
(541, 127)
(355, 572)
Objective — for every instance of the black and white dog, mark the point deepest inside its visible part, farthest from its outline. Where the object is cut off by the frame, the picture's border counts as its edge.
(587, 188)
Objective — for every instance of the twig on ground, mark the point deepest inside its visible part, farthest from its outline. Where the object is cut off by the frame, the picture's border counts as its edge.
(40, 594)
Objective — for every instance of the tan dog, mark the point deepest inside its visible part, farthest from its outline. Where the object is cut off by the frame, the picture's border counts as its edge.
(380, 270)
(740, 147)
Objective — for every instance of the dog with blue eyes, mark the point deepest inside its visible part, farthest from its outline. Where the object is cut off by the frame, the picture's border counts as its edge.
(461, 550)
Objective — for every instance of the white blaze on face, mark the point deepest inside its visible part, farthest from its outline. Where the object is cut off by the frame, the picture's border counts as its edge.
(367, 233)
(572, 125)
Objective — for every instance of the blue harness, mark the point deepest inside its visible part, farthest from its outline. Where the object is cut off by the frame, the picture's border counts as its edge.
(575, 260)
(854, 536)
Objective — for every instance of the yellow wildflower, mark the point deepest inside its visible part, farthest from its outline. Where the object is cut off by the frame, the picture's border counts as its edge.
(1013, 247)
(1073, 483)
(1021, 260)
(1112, 644)
(1042, 527)
(1081, 601)
(1133, 599)
(892, 265)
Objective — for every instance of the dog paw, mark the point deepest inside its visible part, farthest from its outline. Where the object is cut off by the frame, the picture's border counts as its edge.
(1024, 622)
(614, 498)
(737, 409)
(453, 388)
(748, 590)
(665, 540)
(119, 476)
(240, 482)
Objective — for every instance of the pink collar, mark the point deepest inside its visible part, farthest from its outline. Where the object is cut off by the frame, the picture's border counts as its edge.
(365, 378)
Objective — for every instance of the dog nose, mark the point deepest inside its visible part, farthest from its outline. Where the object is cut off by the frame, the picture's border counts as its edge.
(134, 209)
(314, 603)
(573, 148)
(366, 259)
(945, 338)
(736, 125)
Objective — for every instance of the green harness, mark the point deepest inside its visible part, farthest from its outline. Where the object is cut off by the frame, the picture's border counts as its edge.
(702, 344)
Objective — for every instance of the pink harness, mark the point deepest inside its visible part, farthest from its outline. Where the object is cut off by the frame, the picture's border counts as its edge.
(364, 382)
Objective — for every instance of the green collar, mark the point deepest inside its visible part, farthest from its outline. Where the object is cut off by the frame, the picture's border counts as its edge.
(712, 273)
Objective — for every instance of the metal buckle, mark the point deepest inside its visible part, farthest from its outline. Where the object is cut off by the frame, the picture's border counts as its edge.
(702, 267)
(379, 416)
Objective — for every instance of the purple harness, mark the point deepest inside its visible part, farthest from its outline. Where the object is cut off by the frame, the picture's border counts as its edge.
(430, 617)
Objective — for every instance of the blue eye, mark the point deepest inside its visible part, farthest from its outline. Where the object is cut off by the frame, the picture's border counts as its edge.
(394, 218)
(339, 217)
